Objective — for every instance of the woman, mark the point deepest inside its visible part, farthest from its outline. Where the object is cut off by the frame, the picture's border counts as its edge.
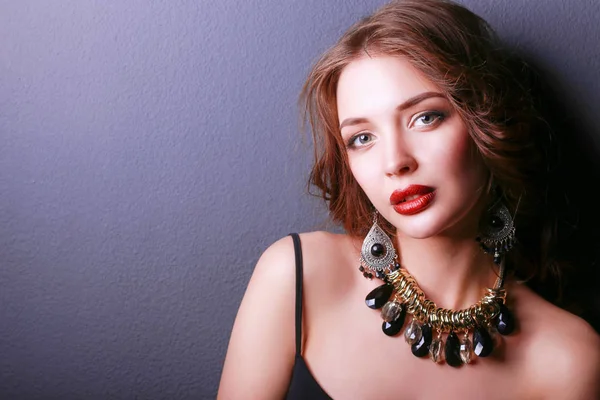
(432, 159)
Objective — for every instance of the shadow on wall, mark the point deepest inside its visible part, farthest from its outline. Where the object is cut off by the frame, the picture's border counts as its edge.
(574, 170)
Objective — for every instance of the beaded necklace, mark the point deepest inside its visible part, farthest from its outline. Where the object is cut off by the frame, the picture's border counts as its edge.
(401, 295)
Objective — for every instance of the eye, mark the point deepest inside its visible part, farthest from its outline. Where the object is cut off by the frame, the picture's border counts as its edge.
(429, 118)
(359, 140)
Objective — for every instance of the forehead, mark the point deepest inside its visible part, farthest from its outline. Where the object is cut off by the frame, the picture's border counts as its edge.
(378, 84)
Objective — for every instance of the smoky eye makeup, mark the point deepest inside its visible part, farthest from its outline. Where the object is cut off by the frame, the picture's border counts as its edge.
(428, 118)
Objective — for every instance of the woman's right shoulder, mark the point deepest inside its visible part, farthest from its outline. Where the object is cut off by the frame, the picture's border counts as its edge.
(323, 254)
(313, 245)
(262, 343)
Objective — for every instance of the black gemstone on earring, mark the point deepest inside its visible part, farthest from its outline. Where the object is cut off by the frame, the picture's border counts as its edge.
(380, 274)
(482, 342)
(505, 323)
(452, 350)
(361, 268)
(377, 250)
(496, 222)
(421, 348)
(392, 328)
(379, 296)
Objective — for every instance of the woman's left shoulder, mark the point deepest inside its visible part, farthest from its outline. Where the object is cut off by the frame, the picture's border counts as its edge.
(562, 351)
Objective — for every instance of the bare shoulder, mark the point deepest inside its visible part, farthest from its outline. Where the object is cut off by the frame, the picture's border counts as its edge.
(261, 349)
(327, 258)
(322, 247)
(562, 351)
(326, 244)
(260, 354)
(322, 255)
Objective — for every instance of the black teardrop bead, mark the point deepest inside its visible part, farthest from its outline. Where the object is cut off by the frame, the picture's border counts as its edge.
(483, 344)
(452, 350)
(379, 296)
(505, 323)
(421, 348)
(394, 327)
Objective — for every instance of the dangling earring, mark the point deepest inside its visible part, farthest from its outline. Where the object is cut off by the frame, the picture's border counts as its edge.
(377, 254)
(497, 231)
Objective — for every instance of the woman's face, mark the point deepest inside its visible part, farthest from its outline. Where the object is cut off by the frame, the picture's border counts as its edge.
(408, 150)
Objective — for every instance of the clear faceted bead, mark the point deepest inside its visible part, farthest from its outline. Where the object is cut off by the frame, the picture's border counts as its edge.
(466, 348)
(413, 333)
(436, 350)
(391, 311)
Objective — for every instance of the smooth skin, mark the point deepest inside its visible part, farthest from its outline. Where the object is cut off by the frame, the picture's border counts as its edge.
(553, 355)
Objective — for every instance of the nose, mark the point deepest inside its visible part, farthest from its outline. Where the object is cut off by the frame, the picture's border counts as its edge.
(398, 156)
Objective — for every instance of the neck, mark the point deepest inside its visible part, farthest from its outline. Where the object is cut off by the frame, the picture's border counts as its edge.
(452, 272)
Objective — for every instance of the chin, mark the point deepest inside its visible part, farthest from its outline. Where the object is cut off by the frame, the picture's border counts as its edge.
(418, 226)
(419, 233)
(430, 224)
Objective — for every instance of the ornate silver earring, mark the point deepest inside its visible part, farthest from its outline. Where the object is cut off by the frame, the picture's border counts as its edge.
(377, 254)
(497, 231)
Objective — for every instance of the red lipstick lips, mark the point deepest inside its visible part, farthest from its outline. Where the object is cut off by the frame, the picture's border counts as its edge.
(413, 199)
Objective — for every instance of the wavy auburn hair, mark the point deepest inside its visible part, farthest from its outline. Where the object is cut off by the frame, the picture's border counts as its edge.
(457, 51)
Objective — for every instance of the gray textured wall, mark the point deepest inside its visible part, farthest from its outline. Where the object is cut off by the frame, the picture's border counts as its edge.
(150, 152)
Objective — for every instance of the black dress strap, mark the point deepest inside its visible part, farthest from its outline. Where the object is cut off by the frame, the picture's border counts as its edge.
(303, 385)
(298, 254)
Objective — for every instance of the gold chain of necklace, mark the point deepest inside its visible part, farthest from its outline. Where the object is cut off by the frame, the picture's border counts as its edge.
(408, 293)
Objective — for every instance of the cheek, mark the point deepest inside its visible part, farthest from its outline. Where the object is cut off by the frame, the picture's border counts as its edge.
(468, 162)
(364, 173)
(458, 160)
(460, 152)
(359, 171)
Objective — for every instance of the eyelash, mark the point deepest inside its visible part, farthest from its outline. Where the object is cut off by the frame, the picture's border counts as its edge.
(439, 117)
(350, 144)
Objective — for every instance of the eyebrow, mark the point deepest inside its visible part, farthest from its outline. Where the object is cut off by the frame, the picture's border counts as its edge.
(407, 104)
